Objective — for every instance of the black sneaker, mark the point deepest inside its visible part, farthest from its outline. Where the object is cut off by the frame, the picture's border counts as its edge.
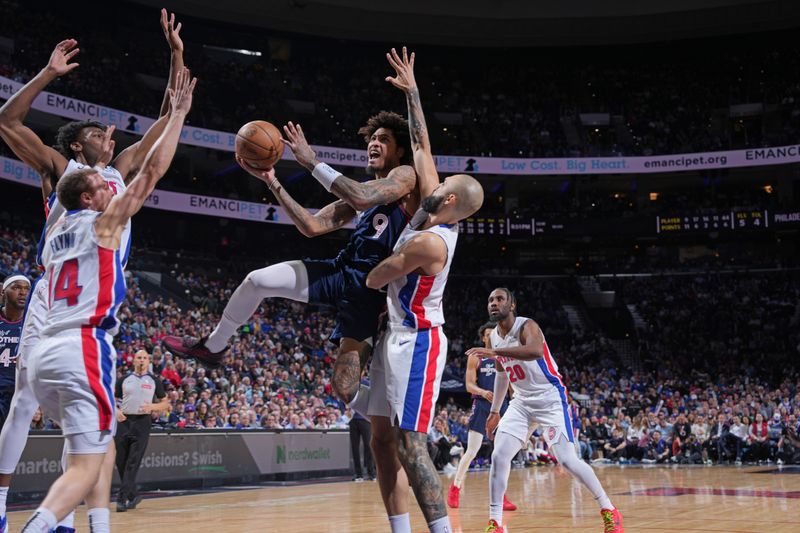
(134, 502)
(193, 348)
(121, 507)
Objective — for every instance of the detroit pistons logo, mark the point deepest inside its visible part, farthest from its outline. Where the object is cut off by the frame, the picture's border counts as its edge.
(551, 434)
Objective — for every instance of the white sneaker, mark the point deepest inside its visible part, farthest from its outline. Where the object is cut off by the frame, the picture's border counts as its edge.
(779, 462)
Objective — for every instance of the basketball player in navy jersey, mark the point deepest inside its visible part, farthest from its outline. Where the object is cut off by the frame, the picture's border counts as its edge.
(479, 380)
(15, 295)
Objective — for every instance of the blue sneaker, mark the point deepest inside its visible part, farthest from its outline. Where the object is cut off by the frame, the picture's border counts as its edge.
(3, 524)
(64, 529)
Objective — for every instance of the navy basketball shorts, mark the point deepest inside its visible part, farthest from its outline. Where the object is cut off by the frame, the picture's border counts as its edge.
(358, 307)
(480, 412)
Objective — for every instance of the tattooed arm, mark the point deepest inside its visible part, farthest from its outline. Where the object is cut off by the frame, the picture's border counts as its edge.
(361, 196)
(422, 475)
(420, 142)
(330, 218)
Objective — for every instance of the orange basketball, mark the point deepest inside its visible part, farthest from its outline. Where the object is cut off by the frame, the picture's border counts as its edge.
(260, 144)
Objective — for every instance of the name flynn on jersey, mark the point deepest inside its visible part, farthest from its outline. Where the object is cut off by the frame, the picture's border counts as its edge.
(62, 241)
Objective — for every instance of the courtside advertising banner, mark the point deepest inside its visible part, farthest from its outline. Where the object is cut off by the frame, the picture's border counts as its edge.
(187, 456)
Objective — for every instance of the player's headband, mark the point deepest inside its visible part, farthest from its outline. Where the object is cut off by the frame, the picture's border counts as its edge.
(11, 279)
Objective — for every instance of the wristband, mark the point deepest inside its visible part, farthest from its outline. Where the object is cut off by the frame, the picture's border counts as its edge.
(326, 175)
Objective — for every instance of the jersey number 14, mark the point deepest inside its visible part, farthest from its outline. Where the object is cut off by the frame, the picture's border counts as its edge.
(66, 287)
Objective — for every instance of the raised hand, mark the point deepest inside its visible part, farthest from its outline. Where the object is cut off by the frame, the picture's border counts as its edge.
(404, 70)
(59, 60)
(267, 176)
(171, 31)
(296, 140)
(107, 148)
(181, 96)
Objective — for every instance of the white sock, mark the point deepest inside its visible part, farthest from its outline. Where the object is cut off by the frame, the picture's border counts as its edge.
(99, 520)
(42, 521)
(69, 520)
(284, 280)
(361, 402)
(3, 496)
(440, 525)
(565, 453)
(400, 523)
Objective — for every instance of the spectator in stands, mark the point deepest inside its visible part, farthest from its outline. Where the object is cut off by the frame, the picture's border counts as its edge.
(758, 438)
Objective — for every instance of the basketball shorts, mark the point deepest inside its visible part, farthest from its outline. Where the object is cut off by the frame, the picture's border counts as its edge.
(409, 363)
(480, 412)
(6, 394)
(358, 307)
(550, 412)
(33, 323)
(72, 374)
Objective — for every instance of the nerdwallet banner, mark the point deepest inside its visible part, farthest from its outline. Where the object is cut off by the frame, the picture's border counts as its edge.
(19, 172)
(80, 110)
(179, 456)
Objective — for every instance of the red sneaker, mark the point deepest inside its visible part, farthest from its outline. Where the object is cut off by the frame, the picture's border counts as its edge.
(193, 348)
(493, 527)
(612, 521)
(507, 505)
(452, 496)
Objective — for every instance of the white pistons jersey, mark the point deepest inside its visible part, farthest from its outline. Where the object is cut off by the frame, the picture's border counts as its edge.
(537, 379)
(86, 283)
(116, 183)
(415, 301)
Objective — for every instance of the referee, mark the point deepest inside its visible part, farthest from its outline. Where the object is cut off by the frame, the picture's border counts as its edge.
(135, 395)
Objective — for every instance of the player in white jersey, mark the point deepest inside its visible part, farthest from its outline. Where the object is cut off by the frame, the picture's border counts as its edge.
(71, 370)
(540, 397)
(79, 144)
(410, 355)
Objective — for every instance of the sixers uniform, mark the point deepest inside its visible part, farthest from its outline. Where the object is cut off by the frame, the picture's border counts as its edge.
(485, 374)
(341, 282)
(540, 396)
(24, 402)
(72, 368)
(9, 342)
(411, 353)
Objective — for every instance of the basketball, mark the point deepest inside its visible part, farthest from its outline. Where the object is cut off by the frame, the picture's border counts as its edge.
(260, 144)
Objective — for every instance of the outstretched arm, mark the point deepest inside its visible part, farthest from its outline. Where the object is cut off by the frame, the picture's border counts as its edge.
(420, 142)
(49, 163)
(131, 159)
(425, 251)
(330, 218)
(109, 225)
(361, 196)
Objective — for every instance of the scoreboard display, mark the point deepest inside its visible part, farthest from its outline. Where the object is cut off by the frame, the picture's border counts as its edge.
(720, 221)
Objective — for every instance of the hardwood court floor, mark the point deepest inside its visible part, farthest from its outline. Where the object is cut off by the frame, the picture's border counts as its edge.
(652, 499)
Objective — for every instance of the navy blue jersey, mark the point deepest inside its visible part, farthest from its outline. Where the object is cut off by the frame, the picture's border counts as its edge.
(9, 342)
(485, 374)
(373, 240)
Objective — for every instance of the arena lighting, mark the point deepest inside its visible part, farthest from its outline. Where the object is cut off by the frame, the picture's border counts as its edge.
(233, 50)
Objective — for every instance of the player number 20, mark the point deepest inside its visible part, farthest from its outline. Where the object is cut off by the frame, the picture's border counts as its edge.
(515, 373)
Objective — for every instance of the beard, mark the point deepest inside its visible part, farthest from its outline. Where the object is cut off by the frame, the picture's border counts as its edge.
(432, 204)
